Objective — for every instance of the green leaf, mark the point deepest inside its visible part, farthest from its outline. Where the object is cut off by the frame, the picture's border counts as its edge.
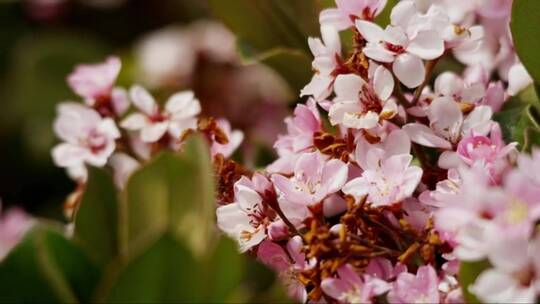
(468, 272)
(46, 267)
(172, 193)
(165, 272)
(96, 220)
(224, 271)
(519, 119)
(525, 27)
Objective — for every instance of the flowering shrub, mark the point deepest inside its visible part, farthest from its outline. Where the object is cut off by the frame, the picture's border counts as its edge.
(398, 180)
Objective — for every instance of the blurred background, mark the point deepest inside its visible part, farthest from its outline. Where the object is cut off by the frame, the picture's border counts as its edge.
(165, 45)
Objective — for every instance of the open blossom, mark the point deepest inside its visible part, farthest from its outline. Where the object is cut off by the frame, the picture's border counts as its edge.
(94, 81)
(447, 124)
(360, 105)
(515, 277)
(350, 288)
(388, 176)
(419, 288)
(88, 138)
(402, 44)
(327, 55)
(153, 123)
(347, 11)
(235, 138)
(245, 220)
(314, 179)
(14, 223)
(301, 128)
(491, 151)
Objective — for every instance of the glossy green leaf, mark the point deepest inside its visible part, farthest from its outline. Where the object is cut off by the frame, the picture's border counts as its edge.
(525, 26)
(468, 272)
(172, 193)
(47, 267)
(165, 272)
(96, 220)
(224, 271)
(519, 119)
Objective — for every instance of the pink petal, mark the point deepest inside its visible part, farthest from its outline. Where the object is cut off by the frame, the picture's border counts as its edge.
(403, 13)
(68, 155)
(154, 132)
(378, 53)
(143, 100)
(331, 40)
(347, 87)
(424, 136)
(334, 176)
(135, 121)
(334, 17)
(383, 83)
(409, 69)
(426, 45)
(370, 31)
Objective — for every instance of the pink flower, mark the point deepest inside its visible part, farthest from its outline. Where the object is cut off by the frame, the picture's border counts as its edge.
(245, 219)
(95, 81)
(327, 56)
(350, 288)
(447, 124)
(88, 138)
(382, 268)
(360, 105)
(515, 275)
(14, 223)
(153, 123)
(402, 43)
(299, 138)
(286, 264)
(388, 177)
(491, 151)
(235, 139)
(419, 288)
(347, 11)
(445, 190)
(314, 179)
(451, 85)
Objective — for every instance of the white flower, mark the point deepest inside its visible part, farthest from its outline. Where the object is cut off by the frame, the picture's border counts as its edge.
(402, 43)
(360, 105)
(326, 52)
(447, 124)
(242, 220)
(88, 138)
(178, 116)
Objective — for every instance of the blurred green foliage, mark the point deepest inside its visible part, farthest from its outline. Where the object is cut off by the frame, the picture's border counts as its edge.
(155, 241)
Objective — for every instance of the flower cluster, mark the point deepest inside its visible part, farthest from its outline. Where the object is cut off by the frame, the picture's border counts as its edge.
(406, 180)
(123, 128)
(385, 181)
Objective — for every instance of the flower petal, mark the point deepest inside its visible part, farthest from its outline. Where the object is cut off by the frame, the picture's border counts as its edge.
(409, 69)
